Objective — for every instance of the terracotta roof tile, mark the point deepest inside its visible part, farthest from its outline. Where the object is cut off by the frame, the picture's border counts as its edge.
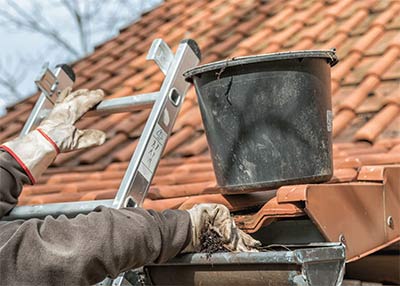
(365, 96)
(341, 120)
(120, 92)
(393, 72)
(184, 190)
(233, 202)
(338, 8)
(278, 39)
(392, 130)
(109, 84)
(361, 93)
(344, 175)
(109, 121)
(52, 198)
(94, 154)
(178, 138)
(284, 14)
(129, 123)
(344, 67)
(74, 177)
(394, 24)
(378, 123)
(97, 81)
(256, 39)
(387, 15)
(160, 205)
(14, 115)
(271, 211)
(393, 97)
(372, 173)
(353, 21)
(247, 26)
(125, 153)
(66, 157)
(152, 87)
(130, 44)
(196, 147)
(98, 53)
(135, 80)
(385, 61)
(83, 64)
(120, 63)
(367, 39)
(98, 195)
(11, 129)
(379, 47)
(91, 71)
(395, 149)
(359, 71)
(184, 178)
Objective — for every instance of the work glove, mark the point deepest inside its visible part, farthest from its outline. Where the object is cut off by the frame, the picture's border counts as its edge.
(217, 218)
(57, 133)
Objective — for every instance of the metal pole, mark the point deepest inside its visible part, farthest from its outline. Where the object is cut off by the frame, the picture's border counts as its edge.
(71, 209)
(124, 104)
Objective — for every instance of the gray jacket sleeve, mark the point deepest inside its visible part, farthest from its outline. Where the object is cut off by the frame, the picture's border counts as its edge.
(12, 177)
(86, 249)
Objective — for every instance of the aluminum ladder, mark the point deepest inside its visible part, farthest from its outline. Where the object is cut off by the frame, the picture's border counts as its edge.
(165, 104)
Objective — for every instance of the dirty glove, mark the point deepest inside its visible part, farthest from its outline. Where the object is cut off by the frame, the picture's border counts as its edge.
(217, 218)
(57, 133)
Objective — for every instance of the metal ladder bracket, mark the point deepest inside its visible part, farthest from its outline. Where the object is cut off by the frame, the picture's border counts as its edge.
(50, 84)
(161, 54)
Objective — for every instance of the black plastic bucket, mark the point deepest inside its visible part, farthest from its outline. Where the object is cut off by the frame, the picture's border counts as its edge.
(268, 118)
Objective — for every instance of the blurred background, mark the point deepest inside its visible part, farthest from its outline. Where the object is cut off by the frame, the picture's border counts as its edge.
(33, 32)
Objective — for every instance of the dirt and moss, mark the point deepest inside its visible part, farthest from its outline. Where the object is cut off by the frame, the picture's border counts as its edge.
(211, 242)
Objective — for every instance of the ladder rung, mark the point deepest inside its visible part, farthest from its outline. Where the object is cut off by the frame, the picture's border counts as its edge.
(70, 209)
(125, 104)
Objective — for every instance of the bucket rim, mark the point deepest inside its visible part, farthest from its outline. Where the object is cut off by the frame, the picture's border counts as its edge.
(330, 55)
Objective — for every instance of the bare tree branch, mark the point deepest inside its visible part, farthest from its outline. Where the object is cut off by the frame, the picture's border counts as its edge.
(73, 8)
(93, 22)
(27, 21)
(11, 74)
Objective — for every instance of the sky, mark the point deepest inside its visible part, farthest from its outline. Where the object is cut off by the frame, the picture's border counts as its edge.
(23, 52)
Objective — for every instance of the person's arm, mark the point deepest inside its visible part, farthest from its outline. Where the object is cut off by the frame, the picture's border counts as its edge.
(24, 159)
(85, 249)
(12, 177)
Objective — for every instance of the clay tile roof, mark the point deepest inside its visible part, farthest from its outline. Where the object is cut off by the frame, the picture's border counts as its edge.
(365, 95)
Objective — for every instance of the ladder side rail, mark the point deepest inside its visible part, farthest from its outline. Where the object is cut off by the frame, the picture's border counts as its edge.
(144, 162)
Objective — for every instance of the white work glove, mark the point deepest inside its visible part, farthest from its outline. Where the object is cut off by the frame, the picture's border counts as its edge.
(217, 217)
(57, 133)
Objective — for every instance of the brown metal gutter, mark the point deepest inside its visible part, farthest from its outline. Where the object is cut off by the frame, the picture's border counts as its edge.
(312, 264)
(364, 216)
